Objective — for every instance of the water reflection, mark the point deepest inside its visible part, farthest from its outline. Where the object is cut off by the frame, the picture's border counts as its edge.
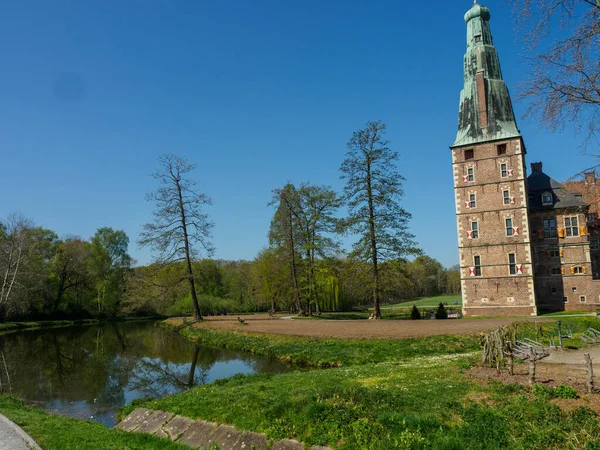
(90, 372)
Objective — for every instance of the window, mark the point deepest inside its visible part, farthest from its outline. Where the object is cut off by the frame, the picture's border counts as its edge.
(594, 243)
(477, 38)
(470, 174)
(554, 290)
(555, 271)
(474, 230)
(572, 226)
(509, 227)
(554, 253)
(591, 217)
(550, 228)
(577, 270)
(574, 289)
(477, 263)
(469, 154)
(547, 198)
(512, 264)
(501, 149)
(503, 170)
(565, 300)
(506, 197)
(472, 201)
(582, 298)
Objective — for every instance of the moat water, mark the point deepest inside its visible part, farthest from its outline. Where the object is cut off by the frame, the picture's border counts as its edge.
(90, 372)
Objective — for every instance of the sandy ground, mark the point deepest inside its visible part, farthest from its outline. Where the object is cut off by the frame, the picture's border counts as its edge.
(353, 329)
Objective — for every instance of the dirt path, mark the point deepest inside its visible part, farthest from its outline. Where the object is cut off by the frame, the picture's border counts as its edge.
(353, 329)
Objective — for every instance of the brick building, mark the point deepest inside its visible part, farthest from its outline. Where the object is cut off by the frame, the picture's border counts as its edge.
(523, 240)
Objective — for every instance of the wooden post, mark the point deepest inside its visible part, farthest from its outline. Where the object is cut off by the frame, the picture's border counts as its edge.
(531, 366)
(559, 334)
(590, 372)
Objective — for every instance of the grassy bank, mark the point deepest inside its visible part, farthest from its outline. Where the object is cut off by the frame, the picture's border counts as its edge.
(54, 432)
(422, 403)
(309, 352)
(28, 325)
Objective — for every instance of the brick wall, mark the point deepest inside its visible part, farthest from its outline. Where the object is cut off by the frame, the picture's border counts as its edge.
(495, 291)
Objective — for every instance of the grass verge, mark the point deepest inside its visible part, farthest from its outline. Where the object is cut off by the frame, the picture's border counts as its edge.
(54, 432)
(312, 352)
(418, 404)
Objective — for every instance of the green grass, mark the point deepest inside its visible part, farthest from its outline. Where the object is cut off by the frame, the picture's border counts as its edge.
(54, 432)
(315, 352)
(567, 313)
(428, 301)
(422, 403)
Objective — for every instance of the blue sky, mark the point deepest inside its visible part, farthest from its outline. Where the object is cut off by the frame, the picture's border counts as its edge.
(257, 93)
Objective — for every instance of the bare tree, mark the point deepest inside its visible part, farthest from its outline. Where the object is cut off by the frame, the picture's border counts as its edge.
(563, 86)
(180, 227)
(14, 251)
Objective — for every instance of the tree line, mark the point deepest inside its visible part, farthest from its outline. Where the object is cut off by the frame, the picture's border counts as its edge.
(304, 269)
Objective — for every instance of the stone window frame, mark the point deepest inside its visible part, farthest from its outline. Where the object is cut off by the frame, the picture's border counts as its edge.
(503, 170)
(470, 174)
(501, 149)
(469, 154)
(475, 231)
(547, 202)
(554, 253)
(512, 266)
(572, 229)
(578, 270)
(472, 200)
(512, 226)
(478, 269)
(582, 299)
(506, 197)
(565, 299)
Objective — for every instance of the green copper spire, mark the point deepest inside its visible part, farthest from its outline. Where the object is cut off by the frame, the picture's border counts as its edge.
(486, 112)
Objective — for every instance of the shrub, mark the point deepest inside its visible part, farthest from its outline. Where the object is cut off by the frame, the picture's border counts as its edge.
(441, 312)
(415, 314)
(563, 391)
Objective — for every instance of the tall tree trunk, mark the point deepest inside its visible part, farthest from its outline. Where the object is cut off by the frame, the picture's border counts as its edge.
(376, 307)
(188, 259)
(293, 255)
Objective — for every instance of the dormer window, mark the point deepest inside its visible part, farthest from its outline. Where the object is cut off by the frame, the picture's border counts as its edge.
(477, 38)
(547, 198)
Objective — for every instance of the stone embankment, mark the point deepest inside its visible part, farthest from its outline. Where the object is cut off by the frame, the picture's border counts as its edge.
(202, 434)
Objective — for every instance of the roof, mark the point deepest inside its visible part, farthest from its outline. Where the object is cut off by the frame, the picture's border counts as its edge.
(590, 191)
(485, 111)
(538, 183)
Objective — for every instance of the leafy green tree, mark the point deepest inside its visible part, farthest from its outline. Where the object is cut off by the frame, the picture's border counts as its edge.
(70, 275)
(373, 191)
(285, 234)
(108, 263)
(180, 228)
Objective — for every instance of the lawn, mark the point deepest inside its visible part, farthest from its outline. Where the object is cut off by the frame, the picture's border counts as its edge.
(53, 432)
(428, 302)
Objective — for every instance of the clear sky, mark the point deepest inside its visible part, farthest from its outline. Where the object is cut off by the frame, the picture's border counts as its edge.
(257, 93)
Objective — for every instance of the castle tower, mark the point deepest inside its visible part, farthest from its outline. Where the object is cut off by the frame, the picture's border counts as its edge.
(490, 186)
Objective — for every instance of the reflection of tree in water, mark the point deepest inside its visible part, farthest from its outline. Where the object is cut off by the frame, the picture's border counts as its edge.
(100, 365)
(156, 378)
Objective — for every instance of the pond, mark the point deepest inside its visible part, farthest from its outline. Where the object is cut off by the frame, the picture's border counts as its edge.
(89, 372)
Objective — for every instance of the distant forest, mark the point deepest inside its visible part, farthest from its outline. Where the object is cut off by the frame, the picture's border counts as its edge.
(44, 276)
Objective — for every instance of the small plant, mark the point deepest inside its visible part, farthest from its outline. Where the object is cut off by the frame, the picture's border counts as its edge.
(415, 314)
(563, 391)
(542, 391)
(441, 312)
